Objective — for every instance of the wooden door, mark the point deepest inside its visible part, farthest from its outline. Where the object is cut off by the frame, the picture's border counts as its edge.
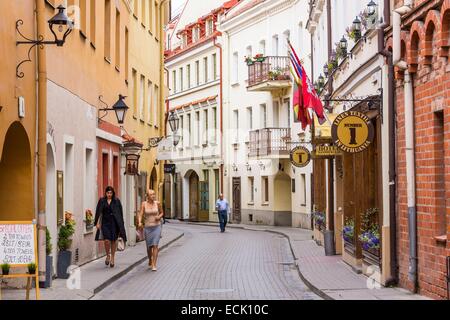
(204, 201)
(193, 197)
(178, 196)
(167, 196)
(237, 199)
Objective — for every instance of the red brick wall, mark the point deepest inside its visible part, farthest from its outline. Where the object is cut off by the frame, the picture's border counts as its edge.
(432, 164)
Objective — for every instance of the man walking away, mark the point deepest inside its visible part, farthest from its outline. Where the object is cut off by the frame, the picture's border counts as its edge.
(222, 208)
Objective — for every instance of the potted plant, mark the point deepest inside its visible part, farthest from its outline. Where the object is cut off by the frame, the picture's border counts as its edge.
(249, 61)
(31, 268)
(274, 74)
(259, 57)
(348, 232)
(64, 241)
(370, 236)
(48, 260)
(5, 268)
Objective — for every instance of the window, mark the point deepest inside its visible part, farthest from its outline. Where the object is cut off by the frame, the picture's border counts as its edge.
(68, 177)
(181, 79)
(287, 36)
(250, 118)
(156, 106)
(83, 18)
(197, 72)
(293, 185)
(249, 51)
(216, 183)
(107, 40)
(262, 47)
(135, 93)
(236, 124)
(149, 102)
(188, 71)
(197, 128)
(288, 109)
(263, 115)
(214, 59)
(181, 130)
(157, 23)
(92, 16)
(251, 184)
(105, 170)
(209, 26)
(126, 53)
(143, 12)
(189, 129)
(116, 173)
(195, 34)
(265, 189)
(89, 178)
(205, 68)
(303, 188)
(117, 42)
(300, 33)
(275, 45)
(206, 122)
(141, 98)
(215, 125)
(235, 71)
(174, 81)
(150, 15)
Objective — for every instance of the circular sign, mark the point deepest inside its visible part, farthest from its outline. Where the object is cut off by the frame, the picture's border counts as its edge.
(300, 156)
(352, 131)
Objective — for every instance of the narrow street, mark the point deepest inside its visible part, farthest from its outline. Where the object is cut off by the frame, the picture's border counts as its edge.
(206, 264)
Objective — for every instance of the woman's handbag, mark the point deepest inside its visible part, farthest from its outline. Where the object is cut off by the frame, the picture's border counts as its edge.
(120, 244)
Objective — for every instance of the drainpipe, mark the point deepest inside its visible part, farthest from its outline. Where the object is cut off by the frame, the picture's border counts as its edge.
(393, 279)
(409, 141)
(221, 111)
(42, 139)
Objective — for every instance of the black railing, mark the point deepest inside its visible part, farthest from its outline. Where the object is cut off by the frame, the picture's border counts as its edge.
(269, 141)
(268, 68)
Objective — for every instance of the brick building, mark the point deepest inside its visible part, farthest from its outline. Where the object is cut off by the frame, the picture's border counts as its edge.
(422, 96)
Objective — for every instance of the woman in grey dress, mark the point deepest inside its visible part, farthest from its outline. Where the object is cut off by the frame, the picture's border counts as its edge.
(152, 213)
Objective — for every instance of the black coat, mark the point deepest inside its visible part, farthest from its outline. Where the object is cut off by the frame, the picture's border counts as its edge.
(117, 210)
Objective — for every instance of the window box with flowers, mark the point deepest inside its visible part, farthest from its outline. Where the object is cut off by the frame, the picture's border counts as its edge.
(370, 237)
(259, 57)
(249, 61)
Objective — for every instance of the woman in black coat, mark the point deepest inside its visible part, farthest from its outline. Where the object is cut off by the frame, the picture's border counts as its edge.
(110, 224)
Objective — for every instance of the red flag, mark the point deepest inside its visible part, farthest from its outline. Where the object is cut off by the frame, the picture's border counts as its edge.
(311, 99)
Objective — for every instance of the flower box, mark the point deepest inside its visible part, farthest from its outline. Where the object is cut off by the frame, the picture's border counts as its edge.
(371, 257)
(350, 248)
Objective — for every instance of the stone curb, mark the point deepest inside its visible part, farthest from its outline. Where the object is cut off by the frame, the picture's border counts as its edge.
(311, 286)
(129, 268)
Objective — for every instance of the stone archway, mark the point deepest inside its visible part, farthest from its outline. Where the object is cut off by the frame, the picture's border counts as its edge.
(50, 201)
(283, 200)
(16, 179)
(154, 180)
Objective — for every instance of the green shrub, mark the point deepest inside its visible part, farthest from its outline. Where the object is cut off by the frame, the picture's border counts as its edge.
(48, 242)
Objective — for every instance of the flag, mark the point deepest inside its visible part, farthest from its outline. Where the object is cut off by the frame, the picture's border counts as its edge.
(310, 99)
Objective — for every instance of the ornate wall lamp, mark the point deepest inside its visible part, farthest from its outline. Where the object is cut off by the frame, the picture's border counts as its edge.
(59, 25)
(120, 108)
(174, 123)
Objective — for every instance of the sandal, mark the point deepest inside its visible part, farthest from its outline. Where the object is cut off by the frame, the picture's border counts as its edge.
(107, 260)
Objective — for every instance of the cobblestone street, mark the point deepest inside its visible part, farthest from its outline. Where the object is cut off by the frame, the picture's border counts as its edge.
(206, 264)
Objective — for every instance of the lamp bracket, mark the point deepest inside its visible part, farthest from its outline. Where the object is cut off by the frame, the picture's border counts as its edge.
(105, 110)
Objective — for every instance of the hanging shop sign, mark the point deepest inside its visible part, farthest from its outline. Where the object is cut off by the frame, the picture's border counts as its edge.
(352, 131)
(300, 156)
(132, 166)
(325, 151)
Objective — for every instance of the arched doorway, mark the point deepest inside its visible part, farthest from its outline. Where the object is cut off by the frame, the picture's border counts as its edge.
(193, 196)
(16, 180)
(283, 200)
(50, 201)
(154, 180)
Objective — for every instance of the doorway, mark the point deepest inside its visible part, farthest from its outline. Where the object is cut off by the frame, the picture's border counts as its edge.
(237, 200)
(193, 196)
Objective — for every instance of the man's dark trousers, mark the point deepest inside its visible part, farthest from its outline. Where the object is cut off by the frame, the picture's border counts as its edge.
(223, 217)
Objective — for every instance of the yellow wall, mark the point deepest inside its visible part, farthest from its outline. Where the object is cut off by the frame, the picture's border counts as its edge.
(17, 144)
(145, 62)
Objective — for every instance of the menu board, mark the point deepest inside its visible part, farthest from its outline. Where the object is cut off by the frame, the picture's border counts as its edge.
(17, 244)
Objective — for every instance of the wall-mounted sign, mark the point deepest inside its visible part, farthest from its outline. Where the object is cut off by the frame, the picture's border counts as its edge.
(300, 156)
(169, 168)
(132, 165)
(324, 151)
(352, 131)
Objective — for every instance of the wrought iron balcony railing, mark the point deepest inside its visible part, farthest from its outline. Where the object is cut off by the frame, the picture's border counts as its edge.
(269, 141)
(268, 69)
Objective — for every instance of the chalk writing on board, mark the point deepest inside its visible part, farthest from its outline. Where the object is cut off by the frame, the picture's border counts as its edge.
(17, 244)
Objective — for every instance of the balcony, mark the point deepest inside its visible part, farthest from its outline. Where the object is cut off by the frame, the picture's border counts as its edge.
(270, 143)
(271, 74)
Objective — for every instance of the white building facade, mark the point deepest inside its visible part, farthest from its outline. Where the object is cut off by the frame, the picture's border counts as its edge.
(262, 185)
(193, 63)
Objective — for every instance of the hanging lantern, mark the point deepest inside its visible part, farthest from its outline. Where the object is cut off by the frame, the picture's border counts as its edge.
(132, 155)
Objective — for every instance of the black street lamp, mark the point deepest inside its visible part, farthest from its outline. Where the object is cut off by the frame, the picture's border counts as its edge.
(343, 44)
(357, 28)
(174, 121)
(120, 108)
(325, 69)
(60, 25)
(371, 8)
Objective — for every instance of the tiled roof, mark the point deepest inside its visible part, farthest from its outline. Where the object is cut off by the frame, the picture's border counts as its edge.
(194, 103)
